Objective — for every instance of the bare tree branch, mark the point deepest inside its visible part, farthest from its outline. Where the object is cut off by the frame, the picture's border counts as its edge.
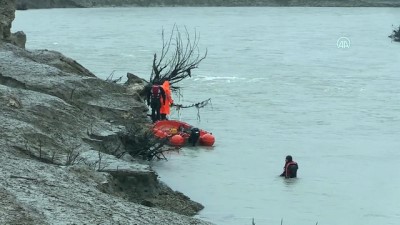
(184, 56)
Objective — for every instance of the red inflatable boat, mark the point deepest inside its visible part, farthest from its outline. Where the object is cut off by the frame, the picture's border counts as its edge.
(181, 133)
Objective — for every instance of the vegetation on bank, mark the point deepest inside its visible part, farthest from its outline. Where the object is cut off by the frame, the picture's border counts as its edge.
(395, 36)
(21, 6)
(31, 4)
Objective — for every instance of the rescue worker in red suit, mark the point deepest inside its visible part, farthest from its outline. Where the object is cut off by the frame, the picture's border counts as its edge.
(290, 168)
(154, 95)
(165, 107)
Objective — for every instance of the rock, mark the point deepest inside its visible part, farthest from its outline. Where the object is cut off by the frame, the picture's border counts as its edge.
(56, 125)
(54, 59)
(133, 79)
(14, 212)
(7, 15)
(58, 122)
(68, 195)
(19, 39)
(147, 203)
(135, 86)
(61, 130)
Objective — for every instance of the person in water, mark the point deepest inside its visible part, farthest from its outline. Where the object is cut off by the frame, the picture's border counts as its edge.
(155, 98)
(194, 136)
(290, 168)
(165, 106)
(192, 133)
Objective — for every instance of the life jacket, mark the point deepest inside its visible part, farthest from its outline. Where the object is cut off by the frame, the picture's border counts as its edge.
(291, 169)
(165, 107)
(155, 91)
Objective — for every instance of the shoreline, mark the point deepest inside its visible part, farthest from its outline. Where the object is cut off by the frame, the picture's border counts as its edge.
(66, 150)
(40, 4)
(72, 142)
(245, 6)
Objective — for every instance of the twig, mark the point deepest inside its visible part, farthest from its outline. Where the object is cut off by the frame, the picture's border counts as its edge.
(197, 105)
(110, 77)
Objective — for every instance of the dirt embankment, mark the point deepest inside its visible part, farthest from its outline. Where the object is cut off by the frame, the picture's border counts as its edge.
(63, 141)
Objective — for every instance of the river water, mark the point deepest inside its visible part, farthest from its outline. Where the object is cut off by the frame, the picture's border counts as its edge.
(279, 85)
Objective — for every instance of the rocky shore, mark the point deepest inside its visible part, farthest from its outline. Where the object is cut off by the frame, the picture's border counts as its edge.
(34, 4)
(64, 135)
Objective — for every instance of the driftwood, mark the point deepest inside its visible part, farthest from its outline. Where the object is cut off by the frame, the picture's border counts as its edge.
(198, 106)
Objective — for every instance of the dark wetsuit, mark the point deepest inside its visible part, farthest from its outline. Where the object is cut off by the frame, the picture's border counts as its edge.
(154, 95)
(194, 136)
(290, 170)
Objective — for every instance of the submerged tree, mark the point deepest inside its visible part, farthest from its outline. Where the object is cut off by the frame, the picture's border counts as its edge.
(395, 36)
(179, 55)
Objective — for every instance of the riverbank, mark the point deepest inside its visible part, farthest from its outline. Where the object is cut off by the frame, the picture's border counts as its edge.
(67, 141)
(37, 4)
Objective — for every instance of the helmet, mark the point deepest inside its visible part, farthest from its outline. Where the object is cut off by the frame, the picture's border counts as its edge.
(289, 158)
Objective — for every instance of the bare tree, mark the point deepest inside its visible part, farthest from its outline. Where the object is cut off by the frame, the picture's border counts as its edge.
(180, 54)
